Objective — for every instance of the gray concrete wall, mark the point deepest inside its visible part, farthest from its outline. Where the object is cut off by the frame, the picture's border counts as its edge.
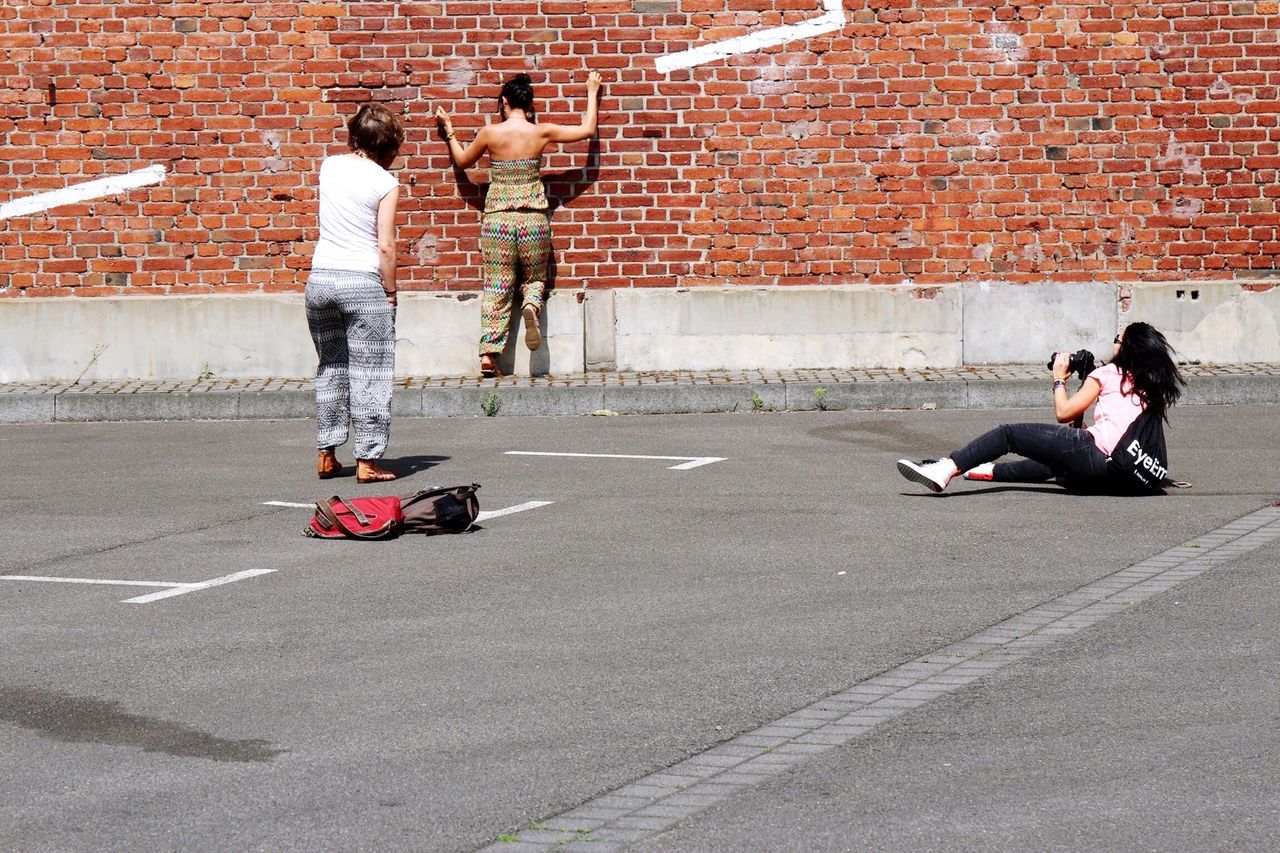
(253, 336)
(1014, 323)
(1213, 322)
(645, 329)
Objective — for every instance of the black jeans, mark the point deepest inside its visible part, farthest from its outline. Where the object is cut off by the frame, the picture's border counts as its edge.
(1051, 451)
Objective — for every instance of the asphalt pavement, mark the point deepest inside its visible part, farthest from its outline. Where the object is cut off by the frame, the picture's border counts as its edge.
(451, 692)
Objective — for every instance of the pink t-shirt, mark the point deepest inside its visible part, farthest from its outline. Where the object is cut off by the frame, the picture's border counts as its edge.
(1116, 410)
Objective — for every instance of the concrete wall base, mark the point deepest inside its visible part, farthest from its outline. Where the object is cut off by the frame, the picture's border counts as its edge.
(646, 329)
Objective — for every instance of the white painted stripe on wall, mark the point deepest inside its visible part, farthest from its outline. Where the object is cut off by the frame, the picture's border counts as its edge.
(82, 192)
(832, 21)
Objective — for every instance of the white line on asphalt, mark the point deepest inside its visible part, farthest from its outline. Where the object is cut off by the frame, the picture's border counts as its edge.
(172, 588)
(494, 513)
(688, 462)
(831, 21)
(483, 516)
(82, 192)
(86, 580)
(192, 587)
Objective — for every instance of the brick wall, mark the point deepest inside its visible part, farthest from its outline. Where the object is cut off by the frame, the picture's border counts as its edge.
(927, 140)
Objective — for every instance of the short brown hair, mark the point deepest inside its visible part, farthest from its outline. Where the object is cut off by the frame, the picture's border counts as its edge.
(376, 131)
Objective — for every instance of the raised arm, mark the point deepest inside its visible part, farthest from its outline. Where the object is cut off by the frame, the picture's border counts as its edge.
(587, 128)
(1068, 409)
(463, 158)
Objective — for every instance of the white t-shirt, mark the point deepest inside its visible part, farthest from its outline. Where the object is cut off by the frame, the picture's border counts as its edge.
(350, 189)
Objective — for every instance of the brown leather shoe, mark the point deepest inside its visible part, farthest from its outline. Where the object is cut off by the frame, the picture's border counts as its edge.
(489, 365)
(327, 465)
(368, 471)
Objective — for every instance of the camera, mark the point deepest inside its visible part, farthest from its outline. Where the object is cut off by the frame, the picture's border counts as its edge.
(1081, 364)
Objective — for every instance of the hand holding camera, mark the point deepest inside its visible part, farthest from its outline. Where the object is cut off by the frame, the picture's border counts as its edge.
(1063, 364)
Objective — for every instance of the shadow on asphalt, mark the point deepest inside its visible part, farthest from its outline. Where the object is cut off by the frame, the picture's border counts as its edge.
(406, 466)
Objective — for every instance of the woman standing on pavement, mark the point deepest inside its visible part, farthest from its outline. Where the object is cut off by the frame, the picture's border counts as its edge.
(515, 233)
(351, 294)
(1142, 377)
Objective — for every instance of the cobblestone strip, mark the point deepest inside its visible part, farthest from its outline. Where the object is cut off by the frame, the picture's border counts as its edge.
(660, 800)
(676, 377)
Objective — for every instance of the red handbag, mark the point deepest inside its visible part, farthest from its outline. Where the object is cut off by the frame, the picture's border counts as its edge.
(356, 518)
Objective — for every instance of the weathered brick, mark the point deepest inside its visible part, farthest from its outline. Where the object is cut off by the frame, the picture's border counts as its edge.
(760, 169)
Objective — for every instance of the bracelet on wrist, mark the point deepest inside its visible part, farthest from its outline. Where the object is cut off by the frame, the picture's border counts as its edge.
(1059, 383)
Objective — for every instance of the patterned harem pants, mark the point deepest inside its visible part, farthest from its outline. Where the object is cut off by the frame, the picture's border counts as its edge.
(511, 241)
(354, 330)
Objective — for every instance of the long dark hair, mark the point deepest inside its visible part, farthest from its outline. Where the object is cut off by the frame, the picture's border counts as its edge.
(1145, 359)
(518, 92)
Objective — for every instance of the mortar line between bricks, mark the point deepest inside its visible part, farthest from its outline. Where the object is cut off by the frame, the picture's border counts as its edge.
(707, 778)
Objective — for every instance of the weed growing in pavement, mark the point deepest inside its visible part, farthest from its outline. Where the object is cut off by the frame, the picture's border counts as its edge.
(492, 402)
(508, 838)
(206, 373)
(820, 397)
(757, 402)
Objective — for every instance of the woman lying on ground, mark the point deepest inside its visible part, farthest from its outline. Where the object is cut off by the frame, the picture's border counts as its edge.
(1141, 377)
(515, 234)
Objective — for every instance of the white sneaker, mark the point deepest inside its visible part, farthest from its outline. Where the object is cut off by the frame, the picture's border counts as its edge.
(935, 475)
(986, 471)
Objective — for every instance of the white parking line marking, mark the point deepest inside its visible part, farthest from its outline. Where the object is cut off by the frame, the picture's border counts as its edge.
(87, 580)
(483, 516)
(172, 588)
(494, 513)
(192, 587)
(82, 192)
(687, 462)
(831, 21)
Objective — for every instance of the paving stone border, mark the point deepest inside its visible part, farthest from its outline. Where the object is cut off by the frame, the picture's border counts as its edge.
(659, 801)
(992, 386)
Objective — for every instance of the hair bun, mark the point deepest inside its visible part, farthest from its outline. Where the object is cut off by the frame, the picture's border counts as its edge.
(519, 93)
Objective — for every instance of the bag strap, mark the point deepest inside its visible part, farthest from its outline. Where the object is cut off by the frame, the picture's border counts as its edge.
(360, 516)
(437, 491)
(326, 512)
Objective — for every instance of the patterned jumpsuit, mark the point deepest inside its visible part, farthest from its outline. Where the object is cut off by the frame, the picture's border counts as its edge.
(515, 237)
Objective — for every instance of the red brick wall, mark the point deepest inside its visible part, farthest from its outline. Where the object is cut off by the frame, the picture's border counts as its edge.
(929, 140)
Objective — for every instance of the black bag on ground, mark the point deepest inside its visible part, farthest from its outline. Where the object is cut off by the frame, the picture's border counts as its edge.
(440, 510)
(1140, 459)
